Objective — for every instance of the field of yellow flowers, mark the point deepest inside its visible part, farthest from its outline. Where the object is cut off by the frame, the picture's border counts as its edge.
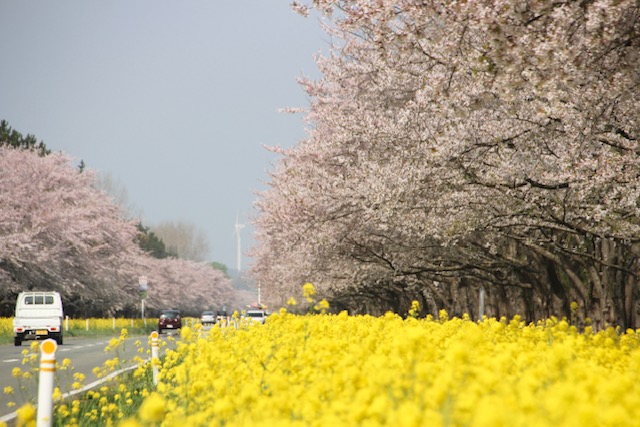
(342, 370)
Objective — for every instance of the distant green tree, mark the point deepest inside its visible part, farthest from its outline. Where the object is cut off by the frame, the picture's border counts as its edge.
(150, 243)
(220, 266)
(15, 139)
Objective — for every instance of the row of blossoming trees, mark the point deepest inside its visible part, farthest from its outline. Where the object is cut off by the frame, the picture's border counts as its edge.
(456, 147)
(58, 231)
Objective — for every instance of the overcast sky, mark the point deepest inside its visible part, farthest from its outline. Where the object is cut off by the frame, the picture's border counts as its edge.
(173, 99)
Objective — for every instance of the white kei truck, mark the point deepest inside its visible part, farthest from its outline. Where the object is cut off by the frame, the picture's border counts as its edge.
(38, 316)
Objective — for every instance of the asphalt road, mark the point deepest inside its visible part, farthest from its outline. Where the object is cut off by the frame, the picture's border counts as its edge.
(84, 355)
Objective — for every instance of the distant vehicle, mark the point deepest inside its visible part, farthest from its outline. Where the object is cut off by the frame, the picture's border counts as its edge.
(256, 316)
(169, 320)
(207, 318)
(38, 316)
(222, 315)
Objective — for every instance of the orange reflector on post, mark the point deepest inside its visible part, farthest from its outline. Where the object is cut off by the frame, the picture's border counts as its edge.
(49, 347)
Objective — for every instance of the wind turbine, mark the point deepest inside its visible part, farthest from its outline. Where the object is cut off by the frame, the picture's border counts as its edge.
(238, 228)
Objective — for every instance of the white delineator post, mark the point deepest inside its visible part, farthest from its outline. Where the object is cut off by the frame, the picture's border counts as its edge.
(143, 286)
(45, 383)
(154, 356)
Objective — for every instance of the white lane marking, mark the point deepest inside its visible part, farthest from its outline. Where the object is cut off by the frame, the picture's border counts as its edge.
(11, 360)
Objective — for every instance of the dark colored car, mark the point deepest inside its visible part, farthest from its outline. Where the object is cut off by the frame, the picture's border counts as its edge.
(169, 320)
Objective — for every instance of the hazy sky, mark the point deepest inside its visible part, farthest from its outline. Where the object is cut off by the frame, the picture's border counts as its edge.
(173, 99)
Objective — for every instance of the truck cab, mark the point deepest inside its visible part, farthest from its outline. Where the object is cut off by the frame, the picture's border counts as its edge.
(38, 315)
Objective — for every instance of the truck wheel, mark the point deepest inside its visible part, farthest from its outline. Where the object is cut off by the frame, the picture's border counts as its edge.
(58, 338)
(17, 341)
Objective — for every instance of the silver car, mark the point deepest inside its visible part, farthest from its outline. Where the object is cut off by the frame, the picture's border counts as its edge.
(207, 318)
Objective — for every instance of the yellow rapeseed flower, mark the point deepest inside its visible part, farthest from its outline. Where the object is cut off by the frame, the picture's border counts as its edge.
(152, 409)
(186, 333)
(308, 290)
(415, 309)
(113, 343)
(26, 416)
(130, 422)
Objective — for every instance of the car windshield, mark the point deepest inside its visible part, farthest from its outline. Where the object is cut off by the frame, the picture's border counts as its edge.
(169, 315)
(255, 314)
(207, 313)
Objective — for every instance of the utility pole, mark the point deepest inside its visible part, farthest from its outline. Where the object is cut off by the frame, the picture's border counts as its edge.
(239, 254)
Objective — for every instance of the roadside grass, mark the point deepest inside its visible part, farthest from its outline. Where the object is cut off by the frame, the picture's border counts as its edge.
(116, 400)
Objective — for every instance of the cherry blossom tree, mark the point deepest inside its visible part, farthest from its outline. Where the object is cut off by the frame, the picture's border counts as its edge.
(59, 232)
(56, 231)
(465, 145)
(186, 285)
